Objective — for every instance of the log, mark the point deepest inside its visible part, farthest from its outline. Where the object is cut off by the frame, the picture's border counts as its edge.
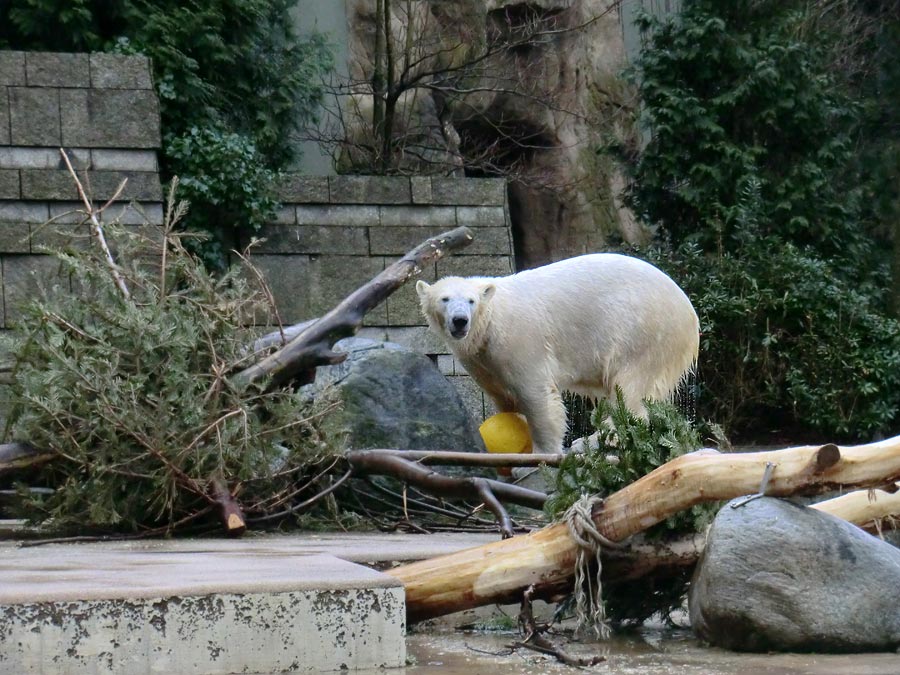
(22, 455)
(298, 359)
(865, 508)
(501, 571)
(233, 521)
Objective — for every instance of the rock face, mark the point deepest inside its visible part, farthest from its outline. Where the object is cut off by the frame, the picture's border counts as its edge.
(396, 398)
(779, 576)
(533, 110)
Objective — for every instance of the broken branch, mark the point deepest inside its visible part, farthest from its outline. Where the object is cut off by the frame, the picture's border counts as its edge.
(300, 357)
(488, 491)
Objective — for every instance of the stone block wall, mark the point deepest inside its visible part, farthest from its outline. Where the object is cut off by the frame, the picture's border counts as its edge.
(334, 233)
(102, 109)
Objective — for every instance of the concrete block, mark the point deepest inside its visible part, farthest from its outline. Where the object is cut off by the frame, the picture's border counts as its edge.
(120, 71)
(12, 68)
(421, 189)
(51, 69)
(71, 231)
(445, 364)
(196, 613)
(9, 184)
(24, 279)
(135, 213)
(110, 118)
(443, 217)
(100, 185)
(124, 160)
(474, 266)
(334, 277)
(34, 117)
(288, 279)
(302, 189)
(67, 212)
(24, 212)
(491, 241)
(369, 190)
(459, 369)
(337, 215)
(43, 158)
(481, 216)
(399, 240)
(403, 304)
(395, 241)
(15, 237)
(314, 239)
(286, 215)
(419, 338)
(472, 396)
(48, 184)
(141, 185)
(4, 114)
(469, 191)
(124, 213)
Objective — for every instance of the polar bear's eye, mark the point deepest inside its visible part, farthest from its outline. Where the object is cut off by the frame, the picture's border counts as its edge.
(445, 299)
(471, 301)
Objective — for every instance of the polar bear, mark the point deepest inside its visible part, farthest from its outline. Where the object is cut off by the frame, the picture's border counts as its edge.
(584, 325)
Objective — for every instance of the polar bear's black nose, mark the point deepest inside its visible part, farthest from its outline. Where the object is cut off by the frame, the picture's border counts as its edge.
(459, 322)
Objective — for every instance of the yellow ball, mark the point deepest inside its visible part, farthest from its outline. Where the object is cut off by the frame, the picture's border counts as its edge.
(506, 432)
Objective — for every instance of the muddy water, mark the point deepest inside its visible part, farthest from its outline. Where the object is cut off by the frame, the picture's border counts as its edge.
(649, 652)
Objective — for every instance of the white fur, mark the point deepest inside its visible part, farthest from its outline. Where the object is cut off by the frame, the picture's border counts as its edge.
(584, 325)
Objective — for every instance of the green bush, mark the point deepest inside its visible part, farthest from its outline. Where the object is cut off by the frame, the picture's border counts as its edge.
(132, 396)
(238, 197)
(787, 346)
(732, 92)
(750, 178)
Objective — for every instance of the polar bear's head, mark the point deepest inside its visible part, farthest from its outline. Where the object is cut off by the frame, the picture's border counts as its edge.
(453, 304)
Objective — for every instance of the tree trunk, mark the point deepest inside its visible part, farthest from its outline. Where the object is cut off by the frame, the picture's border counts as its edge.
(500, 572)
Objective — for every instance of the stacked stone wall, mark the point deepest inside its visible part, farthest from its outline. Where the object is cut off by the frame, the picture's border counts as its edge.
(335, 233)
(102, 109)
(332, 234)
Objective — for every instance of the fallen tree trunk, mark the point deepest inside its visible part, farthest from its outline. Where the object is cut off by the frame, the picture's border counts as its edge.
(500, 572)
(299, 358)
(865, 508)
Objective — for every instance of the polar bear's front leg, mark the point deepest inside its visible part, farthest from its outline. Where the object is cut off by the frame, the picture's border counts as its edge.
(546, 417)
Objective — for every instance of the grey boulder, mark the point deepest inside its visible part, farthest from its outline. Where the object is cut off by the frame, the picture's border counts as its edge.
(777, 576)
(393, 397)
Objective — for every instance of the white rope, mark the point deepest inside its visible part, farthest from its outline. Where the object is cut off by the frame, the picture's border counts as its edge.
(589, 609)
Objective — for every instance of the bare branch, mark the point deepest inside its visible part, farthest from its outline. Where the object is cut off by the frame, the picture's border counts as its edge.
(96, 228)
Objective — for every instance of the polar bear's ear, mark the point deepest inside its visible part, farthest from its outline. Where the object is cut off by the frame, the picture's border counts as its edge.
(488, 292)
(422, 289)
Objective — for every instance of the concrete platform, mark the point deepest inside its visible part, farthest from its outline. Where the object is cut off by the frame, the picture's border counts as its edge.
(258, 605)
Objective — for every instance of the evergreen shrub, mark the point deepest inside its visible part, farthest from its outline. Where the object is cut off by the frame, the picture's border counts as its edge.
(133, 397)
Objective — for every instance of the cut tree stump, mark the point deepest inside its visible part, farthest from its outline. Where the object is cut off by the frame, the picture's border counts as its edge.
(501, 571)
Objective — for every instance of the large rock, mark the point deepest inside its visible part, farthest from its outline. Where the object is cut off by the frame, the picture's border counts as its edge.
(396, 398)
(779, 576)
